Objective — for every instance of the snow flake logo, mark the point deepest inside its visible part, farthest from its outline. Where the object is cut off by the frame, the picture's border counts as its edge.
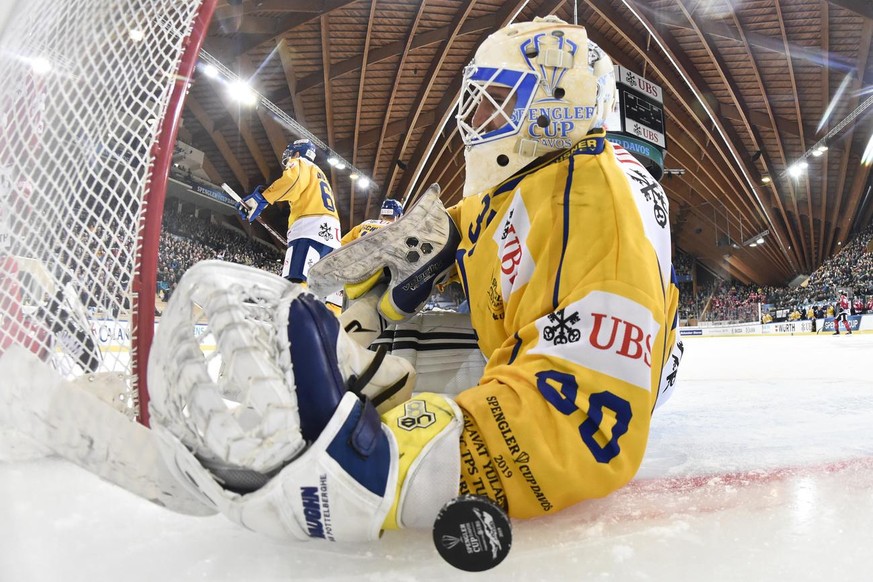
(563, 331)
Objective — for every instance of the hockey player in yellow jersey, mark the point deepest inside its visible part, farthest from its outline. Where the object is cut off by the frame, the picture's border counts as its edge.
(562, 244)
(390, 211)
(313, 223)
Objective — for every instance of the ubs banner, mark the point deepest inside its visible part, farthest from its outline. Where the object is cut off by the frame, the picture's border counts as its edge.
(640, 118)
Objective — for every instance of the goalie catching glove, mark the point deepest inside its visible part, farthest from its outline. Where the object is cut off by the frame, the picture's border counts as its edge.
(286, 439)
(411, 255)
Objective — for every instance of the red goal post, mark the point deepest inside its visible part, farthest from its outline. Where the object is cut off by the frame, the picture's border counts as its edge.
(91, 94)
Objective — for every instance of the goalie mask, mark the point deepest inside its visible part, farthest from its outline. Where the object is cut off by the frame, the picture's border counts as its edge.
(532, 88)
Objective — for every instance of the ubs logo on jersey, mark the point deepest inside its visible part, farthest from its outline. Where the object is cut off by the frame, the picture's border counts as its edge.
(511, 235)
(510, 257)
(624, 337)
(603, 331)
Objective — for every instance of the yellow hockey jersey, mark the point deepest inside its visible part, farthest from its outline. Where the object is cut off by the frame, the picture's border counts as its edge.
(567, 270)
(360, 230)
(303, 186)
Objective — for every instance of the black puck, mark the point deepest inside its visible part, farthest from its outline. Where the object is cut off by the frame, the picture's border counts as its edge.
(472, 533)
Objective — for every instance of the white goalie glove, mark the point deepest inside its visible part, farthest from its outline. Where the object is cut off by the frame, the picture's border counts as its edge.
(282, 435)
(409, 257)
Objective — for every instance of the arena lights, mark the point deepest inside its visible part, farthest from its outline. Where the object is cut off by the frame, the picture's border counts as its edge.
(135, 34)
(756, 240)
(225, 75)
(867, 157)
(765, 179)
(796, 169)
(210, 71)
(242, 92)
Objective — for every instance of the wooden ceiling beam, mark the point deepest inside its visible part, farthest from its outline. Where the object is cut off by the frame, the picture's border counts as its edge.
(296, 18)
(446, 105)
(328, 99)
(389, 105)
(861, 7)
(759, 41)
(359, 105)
(733, 157)
(291, 81)
(798, 115)
(825, 48)
(220, 142)
(847, 218)
(274, 131)
(776, 126)
(397, 48)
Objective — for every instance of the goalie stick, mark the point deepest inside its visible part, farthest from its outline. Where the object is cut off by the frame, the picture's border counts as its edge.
(232, 193)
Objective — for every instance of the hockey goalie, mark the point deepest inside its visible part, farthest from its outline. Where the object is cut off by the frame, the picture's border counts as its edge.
(292, 429)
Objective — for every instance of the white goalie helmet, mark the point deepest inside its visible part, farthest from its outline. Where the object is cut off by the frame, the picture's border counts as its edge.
(532, 88)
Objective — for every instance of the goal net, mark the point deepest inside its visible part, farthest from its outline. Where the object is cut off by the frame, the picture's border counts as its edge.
(91, 93)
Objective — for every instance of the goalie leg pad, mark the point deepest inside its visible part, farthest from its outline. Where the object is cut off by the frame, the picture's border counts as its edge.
(427, 428)
(339, 490)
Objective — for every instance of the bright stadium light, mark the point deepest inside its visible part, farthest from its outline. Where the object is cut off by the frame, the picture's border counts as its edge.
(135, 34)
(241, 91)
(210, 71)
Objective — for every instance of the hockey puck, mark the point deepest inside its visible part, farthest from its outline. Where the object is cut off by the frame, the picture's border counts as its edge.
(472, 533)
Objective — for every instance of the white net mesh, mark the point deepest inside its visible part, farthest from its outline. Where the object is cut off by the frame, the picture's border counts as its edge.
(84, 88)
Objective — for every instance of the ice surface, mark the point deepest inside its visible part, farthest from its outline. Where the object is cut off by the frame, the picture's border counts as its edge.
(759, 468)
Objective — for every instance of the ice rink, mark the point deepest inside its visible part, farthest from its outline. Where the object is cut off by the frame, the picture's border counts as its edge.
(759, 468)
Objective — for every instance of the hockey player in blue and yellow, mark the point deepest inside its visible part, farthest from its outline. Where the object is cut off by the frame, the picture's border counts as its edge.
(390, 211)
(313, 223)
(562, 243)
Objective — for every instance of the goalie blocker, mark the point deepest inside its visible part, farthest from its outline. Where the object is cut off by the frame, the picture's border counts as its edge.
(409, 256)
(287, 440)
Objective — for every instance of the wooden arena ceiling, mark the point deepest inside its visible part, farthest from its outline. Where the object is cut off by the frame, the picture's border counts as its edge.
(747, 84)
